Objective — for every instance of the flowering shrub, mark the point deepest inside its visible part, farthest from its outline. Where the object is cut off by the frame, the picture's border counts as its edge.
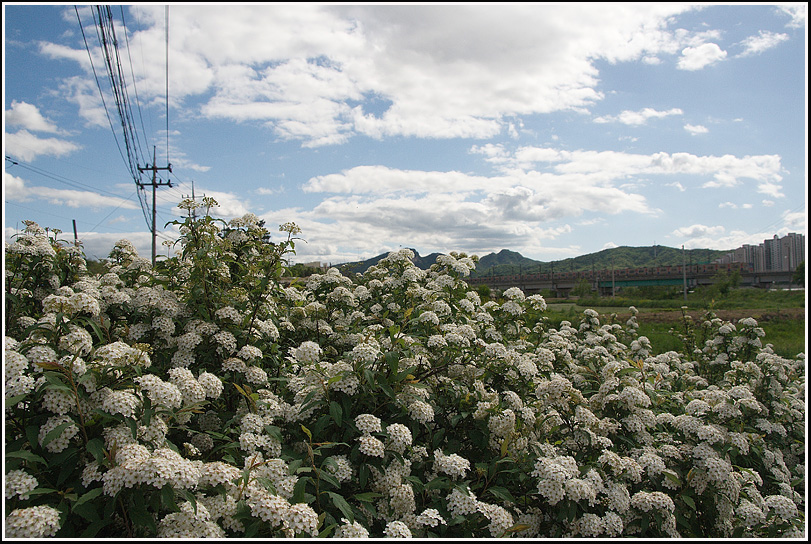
(204, 398)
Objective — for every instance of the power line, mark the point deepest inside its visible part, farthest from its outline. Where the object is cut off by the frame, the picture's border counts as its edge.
(58, 177)
(132, 73)
(167, 83)
(98, 83)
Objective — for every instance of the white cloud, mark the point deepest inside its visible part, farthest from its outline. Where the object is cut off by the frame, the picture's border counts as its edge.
(314, 73)
(795, 221)
(754, 45)
(268, 191)
(696, 129)
(229, 205)
(696, 58)
(695, 231)
(18, 190)
(27, 147)
(797, 12)
(771, 189)
(640, 117)
(14, 188)
(535, 195)
(28, 116)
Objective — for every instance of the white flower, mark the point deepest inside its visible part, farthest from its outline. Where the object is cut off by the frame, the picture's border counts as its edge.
(454, 465)
(371, 446)
(421, 411)
(430, 517)
(19, 483)
(351, 530)
(32, 522)
(367, 423)
(397, 529)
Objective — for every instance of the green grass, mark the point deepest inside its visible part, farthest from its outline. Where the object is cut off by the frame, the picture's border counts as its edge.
(703, 299)
(787, 336)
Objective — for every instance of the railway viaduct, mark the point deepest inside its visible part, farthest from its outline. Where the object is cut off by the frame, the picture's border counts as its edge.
(607, 283)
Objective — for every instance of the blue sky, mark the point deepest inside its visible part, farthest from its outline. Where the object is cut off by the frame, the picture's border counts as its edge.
(551, 130)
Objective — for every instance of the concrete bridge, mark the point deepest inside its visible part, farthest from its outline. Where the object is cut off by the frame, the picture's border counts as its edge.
(606, 283)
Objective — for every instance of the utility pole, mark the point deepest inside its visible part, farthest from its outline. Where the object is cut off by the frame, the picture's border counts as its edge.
(194, 199)
(155, 184)
(75, 235)
(684, 272)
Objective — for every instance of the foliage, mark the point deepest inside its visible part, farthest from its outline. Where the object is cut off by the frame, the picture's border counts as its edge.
(203, 398)
(799, 274)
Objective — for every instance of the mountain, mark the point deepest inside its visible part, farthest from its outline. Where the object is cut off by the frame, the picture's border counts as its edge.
(507, 262)
(361, 266)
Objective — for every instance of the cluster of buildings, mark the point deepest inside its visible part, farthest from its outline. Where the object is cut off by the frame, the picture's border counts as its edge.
(775, 255)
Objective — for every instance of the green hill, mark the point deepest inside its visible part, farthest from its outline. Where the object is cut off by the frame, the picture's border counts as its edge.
(507, 262)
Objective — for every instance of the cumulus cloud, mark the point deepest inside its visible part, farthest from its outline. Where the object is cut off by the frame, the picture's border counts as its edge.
(754, 45)
(17, 190)
(640, 117)
(229, 205)
(319, 74)
(534, 195)
(694, 231)
(696, 129)
(696, 58)
(27, 147)
(28, 116)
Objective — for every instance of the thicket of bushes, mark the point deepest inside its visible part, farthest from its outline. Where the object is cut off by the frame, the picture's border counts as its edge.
(204, 398)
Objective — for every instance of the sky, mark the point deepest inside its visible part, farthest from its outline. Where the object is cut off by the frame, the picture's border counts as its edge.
(550, 130)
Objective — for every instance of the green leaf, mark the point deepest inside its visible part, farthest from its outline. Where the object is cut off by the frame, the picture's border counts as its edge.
(168, 498)
(625, 371)
(329, 478)
(95, 447)
(26, 455)
(689, 501)
(342, 505)
(53, 434)
(387, 390)
(336, 412)
(189, 496)
(369, 496)
(298, 491)
(502, 493)
(88, 511)
(41, 491)
(96, 526)
(307, 432)
(90, 495)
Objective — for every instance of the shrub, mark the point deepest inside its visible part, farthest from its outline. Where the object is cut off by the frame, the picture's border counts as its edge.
(204, 398)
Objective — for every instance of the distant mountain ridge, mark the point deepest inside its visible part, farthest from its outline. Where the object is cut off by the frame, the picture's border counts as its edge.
(507, 262)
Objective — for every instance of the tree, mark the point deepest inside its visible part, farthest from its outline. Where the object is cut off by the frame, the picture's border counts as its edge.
(582, 288)
(799, 274)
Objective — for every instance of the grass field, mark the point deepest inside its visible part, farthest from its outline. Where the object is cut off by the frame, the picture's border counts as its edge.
(781, 314)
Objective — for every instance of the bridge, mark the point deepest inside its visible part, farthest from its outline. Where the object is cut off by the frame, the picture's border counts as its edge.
(607, 282)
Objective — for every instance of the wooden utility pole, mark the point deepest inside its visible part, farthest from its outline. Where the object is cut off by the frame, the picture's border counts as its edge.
(155, 184)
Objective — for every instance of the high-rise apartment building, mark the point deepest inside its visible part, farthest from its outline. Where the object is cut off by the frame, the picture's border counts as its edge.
(773, 255)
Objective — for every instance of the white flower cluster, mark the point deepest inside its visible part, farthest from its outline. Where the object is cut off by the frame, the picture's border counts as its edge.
(211, 402)
(453, 465)
(19, 484)
(32, 522)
